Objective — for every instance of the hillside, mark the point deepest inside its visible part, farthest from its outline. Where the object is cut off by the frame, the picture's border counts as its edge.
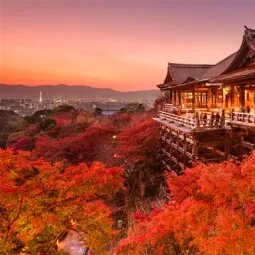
(10, 123)
(100, 171)
(74, 92)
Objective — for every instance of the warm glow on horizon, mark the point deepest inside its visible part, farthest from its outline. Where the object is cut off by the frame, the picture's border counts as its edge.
(124, 45)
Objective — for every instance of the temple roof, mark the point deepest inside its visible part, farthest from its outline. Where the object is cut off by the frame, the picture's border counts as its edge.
(178, 73)
(238, 75)
(220, 67)
(245, 53)
(234, 66)
(199, 74)
(249, 36)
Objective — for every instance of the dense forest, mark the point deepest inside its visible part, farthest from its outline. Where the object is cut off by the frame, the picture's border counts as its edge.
(68, 170)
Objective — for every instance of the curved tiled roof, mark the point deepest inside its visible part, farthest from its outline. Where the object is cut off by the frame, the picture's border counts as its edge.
(212, 71)
(190, 74)
(240, 74)
(250, 38)
(247, 46)
(220, 67)
(178, 73)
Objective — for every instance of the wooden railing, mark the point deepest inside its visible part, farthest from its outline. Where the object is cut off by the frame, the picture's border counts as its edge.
(168, 107)
(182, 121)
(242, 118)
(211, 119)
(198, 122)
(204, 119)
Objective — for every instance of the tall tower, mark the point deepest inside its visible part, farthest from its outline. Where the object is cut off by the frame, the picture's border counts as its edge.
(40, 99)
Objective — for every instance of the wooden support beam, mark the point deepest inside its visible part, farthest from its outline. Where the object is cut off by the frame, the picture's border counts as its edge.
(179, 98)
(177, 162)
(170, 137)
(195, 150)
(223, 98)
(241, 95)
(216, 151)
(180, 148)
(171, 96)
(177, 141)
(248, 145)
(209, 98)
(193, 99)
(185, 150)
(197, 124)
(227, 145)
(222, 120)
(231, 96)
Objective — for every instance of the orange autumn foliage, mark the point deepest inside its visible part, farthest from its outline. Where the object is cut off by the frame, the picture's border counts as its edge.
(139, 143)
(41, 200)
(94, 144)
(212, 211)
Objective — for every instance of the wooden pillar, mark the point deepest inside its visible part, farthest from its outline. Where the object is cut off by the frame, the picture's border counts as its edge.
(232, 96)
(222, 118)
(185, 149)
(216, 97)
(227, 145)
(161, 144)
(171, 146)
(232, 114)
(171, 96)
(193, 99)
(197, 124)
(179, 97)
(223, 98)
(209, 98)
(166, 96)
(241, 150)
(178, 141)
(195, 150)
(167, 145)
(241, 96)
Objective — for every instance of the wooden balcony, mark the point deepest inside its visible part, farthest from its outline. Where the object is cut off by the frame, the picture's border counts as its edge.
(242, 119)
(188, 124)
(203, 120)
(207, 136)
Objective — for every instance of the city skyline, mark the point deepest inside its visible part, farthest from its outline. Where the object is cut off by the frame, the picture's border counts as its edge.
(124, 45)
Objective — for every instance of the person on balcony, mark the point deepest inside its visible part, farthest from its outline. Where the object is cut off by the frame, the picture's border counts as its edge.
(248, 110)
(217, 119)
(212, 119)
(205, 119)
(242, 109)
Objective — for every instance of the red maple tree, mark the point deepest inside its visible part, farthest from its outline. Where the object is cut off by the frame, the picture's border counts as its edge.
(212, 211)
(40, 200)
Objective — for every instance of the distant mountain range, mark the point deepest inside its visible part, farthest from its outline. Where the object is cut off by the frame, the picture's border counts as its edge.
(74, 92)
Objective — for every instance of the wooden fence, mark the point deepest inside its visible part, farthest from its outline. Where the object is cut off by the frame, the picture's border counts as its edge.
(198, 122)
(205, 119)
(242, 118)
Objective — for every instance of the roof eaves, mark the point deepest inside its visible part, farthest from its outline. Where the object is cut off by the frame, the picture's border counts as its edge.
(189, 65)
(189, 83)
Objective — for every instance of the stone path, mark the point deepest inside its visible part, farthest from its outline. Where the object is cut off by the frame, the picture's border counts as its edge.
(72, 244)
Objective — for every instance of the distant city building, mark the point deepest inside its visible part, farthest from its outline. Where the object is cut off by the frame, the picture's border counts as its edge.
(40, 98)
(25, 107)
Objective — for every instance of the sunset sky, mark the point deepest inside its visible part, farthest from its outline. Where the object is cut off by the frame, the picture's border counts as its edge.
(122, 44)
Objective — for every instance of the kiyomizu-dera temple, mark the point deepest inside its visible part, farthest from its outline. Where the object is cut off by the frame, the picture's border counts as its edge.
(207, 112)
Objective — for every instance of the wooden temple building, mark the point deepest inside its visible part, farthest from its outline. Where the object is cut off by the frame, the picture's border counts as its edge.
(208, 111)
